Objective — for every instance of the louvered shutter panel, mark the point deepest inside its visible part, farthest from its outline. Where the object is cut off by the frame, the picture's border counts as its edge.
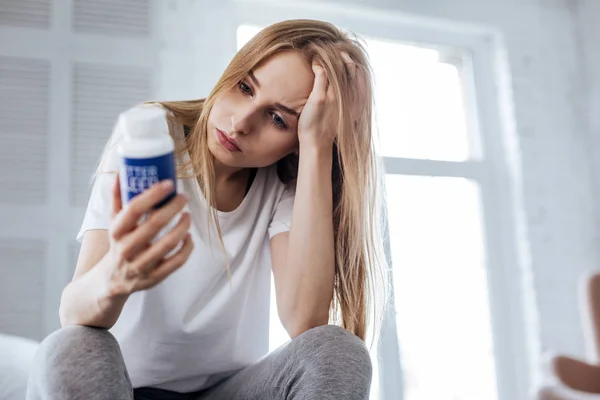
(101, 92)
(22, 294)
(25, 13)
(24, 100)
(67, 69)
(112, 17)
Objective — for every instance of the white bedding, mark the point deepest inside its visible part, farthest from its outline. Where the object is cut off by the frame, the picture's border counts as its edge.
(16, 356)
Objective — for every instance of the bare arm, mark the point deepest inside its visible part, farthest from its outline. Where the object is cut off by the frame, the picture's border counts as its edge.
(85, 300)
(303, 259)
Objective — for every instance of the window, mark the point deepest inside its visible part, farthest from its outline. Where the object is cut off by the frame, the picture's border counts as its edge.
(440, 340)
(435, 224)
(419, 103)
(440, 288)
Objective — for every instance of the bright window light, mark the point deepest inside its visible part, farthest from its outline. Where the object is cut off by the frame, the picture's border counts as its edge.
(440, 287)
(419, 103)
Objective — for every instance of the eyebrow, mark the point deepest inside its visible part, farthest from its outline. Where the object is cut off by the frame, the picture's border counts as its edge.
(251, 75)
(277, 105)
(286, 109)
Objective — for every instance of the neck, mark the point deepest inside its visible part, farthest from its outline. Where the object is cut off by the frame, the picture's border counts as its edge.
(227, 174)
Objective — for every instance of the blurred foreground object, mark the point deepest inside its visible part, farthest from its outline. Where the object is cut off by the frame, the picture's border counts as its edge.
(570, 378)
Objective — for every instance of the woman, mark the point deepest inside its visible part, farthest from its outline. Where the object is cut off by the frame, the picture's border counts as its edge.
(282, 152)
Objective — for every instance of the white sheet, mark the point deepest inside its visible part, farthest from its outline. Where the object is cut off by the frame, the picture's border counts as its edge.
(16, 356)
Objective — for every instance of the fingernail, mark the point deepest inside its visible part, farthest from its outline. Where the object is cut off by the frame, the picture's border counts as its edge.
(167, 184)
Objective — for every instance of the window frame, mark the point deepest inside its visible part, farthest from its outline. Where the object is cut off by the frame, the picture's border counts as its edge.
(494, 167)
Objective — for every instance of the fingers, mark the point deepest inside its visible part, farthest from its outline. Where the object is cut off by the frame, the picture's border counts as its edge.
(136, 241)
(330, 94)
(159, 250)
(358, 82)
(322, 91)
(140, 205)
(117, 204)
(355, 73)
(349, 64)
(319, 91)
(172, 263)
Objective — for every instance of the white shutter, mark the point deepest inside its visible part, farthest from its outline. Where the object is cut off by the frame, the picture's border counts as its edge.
(67, 69)
(22, 294)
(112, 17)
(24, 100)
(100, 93)
(25, 13)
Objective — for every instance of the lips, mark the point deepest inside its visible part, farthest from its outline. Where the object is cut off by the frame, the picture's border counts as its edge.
(227, 142)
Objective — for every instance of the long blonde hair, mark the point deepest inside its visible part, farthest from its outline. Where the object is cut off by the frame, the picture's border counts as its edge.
(359, 288)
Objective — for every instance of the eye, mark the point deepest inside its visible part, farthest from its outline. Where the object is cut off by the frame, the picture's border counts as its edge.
(278, 121)
(245, 88)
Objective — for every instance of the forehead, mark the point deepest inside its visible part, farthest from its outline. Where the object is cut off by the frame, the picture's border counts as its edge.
(286, 77)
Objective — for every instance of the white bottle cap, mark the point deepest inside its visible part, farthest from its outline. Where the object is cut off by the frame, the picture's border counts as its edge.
(145, 121)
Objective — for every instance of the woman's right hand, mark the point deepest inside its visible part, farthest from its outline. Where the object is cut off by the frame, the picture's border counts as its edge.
(135, 262)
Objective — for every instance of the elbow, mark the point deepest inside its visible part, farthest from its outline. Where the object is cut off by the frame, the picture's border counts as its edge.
(65, 321)
(63, 313)
(296, 331)
(66, 312)
(295, 326)
(301, 313)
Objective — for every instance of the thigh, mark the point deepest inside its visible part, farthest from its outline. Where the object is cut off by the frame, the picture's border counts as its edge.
(325, 362)
(265, 379)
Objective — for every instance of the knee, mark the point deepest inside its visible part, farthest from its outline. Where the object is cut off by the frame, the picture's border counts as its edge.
(74, 340)
(65, 347)
(333, 351)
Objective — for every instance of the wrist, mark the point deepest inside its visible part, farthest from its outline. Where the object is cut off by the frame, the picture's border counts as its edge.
(316, 162)
(108, 292)
(316, 151)
(109, 300)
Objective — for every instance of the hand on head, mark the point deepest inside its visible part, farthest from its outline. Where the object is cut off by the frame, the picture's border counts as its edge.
(318, 121)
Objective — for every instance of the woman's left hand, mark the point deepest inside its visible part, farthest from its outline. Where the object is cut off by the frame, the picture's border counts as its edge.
(318, 120)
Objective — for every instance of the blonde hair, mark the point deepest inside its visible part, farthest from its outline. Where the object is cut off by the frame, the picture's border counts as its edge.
(360, 284)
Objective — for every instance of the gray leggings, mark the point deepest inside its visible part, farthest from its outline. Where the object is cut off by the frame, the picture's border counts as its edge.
(326, 362)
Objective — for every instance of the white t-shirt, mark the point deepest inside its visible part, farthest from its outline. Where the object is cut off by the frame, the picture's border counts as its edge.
(197, 327)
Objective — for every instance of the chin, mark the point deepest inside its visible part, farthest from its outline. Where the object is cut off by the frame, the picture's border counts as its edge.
(223, 156)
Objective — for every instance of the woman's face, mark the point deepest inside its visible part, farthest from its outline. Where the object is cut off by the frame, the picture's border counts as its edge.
(255, 124)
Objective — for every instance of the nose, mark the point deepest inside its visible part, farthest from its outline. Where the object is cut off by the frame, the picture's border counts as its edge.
(241, 120)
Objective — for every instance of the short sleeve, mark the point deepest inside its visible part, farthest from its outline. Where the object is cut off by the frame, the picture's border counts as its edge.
(98, 212)
(282, 216)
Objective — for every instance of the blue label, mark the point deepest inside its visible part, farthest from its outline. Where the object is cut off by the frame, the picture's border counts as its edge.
(138, 174)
